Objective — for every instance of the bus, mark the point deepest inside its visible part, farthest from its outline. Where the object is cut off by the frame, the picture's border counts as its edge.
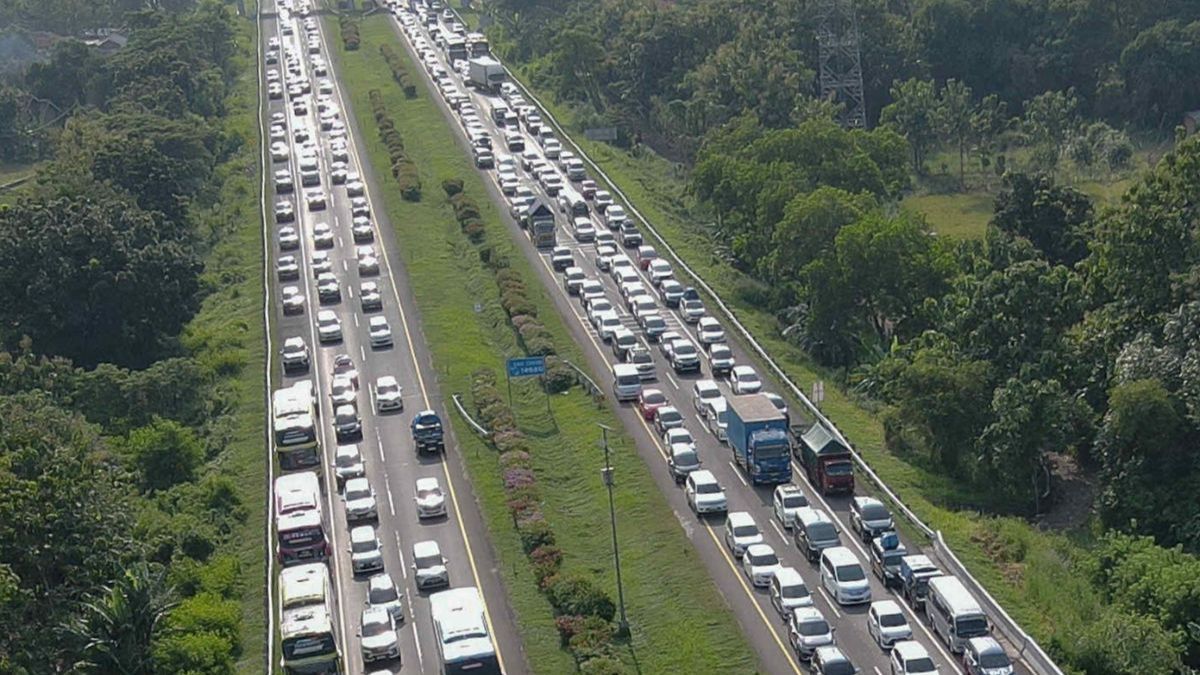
(299, 519)
(477, 45)
(304, 585)
(308, 642)
(954, 613)
(294, 417)
(462, 634)
(456, 48)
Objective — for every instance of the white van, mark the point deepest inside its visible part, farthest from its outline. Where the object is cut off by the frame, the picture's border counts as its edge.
(627, 383)
(844, 577)
(954, 613)
(716, 415)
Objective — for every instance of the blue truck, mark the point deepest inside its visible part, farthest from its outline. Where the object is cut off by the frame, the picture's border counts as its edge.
(758, 436)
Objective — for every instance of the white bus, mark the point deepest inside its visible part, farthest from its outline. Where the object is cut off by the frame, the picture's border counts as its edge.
(294, 414)
(304, 585)
(954, 613)
(299, 519)
(462, 634)
(308, 642)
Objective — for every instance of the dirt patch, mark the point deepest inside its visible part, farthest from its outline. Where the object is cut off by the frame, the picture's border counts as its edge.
(1074, 495)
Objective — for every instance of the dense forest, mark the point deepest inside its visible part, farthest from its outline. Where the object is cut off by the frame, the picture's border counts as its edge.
(1067, 333)
(115, 514)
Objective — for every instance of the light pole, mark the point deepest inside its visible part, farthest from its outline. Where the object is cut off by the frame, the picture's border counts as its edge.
(607, 473)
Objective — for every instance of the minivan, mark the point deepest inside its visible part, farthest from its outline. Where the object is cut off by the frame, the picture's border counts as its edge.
(740, 532)
(788, 591)
(843, 576)
(954, 613)
(813, 532)
(627, 384)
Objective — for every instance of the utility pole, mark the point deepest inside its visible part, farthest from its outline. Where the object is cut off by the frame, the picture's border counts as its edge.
(607, 473)
(840, 60)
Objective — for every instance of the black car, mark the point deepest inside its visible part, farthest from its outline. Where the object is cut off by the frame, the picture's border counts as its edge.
(561, 258)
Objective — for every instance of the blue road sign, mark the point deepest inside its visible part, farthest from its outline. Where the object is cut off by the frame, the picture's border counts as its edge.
(526, 367)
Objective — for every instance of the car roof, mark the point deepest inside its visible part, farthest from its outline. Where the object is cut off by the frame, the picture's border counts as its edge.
(789, 576)
(741, 518)
(381, 580)
(427, 483)
(886, 607)
(804, 614)
(985, 645)
(362, 532)
(743, 370)
(427, 547)
(702, 476)
(867, 501)
(910, 649)
(759, 549)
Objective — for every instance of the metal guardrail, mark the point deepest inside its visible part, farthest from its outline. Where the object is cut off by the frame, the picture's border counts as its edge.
(586, 380)
(457, 399)
(1033, 654)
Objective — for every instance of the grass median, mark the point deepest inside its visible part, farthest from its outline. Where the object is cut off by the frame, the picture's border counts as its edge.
(1034, 574)
(679, 621)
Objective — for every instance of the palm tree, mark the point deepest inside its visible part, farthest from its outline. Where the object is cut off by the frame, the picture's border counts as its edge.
(118, 625)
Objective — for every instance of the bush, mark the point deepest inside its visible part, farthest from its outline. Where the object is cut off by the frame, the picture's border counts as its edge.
(410, 185)
(511, 442)
(474, 231)
(603, 665)
(545, 562)
(534, 532)
(452, 186)
(509, 276)
(514, 458)
(208, 613)
(559, 377)
(515, 303)
(568, 627)
(577, 594)
(410, 91)
(194, 653)
(539, 345)
(520, 320)
(518, 477)
(593, 640)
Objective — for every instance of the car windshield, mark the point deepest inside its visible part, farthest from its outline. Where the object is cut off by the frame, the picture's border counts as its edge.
(822, 532)
(764, 559)
(795, 591)
(837, 668)
(375, 628)
(850, 573)
(427, 561)
(686, 458)
(970, 627)
(875, 512)
(745, 530)
(684, 349)
(708, 488)
(794, 501)
(892, 620)
(813, 627)
(363, 546)
(381, 593)
(669, 415)
(839, 469)
(923, 664)
(994, 660)
(654, 397)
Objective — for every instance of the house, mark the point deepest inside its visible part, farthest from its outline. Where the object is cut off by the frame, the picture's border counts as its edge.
(108, 44)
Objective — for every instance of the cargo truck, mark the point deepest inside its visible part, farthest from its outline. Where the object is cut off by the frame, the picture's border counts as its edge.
(758, 436)
(486, 73)
(827, 462)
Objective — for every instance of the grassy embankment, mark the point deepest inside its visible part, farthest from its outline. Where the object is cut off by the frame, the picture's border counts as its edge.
(1031, 572)
(227, 334)
(679, 621)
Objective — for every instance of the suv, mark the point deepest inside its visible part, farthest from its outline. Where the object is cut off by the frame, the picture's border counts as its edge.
(347, 464)
(741, 531)
(720, 359)
(294, 354)
(813, 532)
(684, 356)
(869, 518)
(983, 655)
(704, 493)
(910, 658)
(831, 661)
(787, 500)
(807, 630)
(366, 553)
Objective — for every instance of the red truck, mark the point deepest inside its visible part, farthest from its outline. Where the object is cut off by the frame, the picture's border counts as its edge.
(828, 463)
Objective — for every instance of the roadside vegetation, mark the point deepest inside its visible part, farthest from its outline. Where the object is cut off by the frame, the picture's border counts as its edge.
(1009, 379)
(679, 622)
(132, 470)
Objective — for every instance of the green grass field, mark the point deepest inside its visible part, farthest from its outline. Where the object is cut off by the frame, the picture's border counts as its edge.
(679, 621)
(227, 334)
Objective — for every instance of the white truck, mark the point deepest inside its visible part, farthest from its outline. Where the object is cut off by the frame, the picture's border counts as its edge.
(486, 73)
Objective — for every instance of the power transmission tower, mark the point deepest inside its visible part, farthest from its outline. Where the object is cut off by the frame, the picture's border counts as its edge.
(841, 60)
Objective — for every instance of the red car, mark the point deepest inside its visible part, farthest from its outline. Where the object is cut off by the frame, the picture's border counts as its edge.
(648, 403)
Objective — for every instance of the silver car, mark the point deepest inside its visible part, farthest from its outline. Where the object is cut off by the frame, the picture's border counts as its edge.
(378, 636)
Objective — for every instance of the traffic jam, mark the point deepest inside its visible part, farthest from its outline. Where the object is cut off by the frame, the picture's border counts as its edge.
(375, 569)
(820, 564)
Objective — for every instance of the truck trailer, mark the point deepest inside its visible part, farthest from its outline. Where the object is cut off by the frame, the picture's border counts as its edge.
(486, 73)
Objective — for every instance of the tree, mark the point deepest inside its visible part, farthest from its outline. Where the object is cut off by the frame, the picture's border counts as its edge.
(1125, 643)
(1161, 70)
(913, 114)
(90, 278)
(808, 228)
(1029, 419)
(1050, 121)
(1053, 218)
(989, 121)
(119, 625)
(165, 453)
(955, 116)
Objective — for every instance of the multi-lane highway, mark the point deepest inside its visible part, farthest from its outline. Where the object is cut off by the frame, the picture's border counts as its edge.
(765, 628)
(297, 45)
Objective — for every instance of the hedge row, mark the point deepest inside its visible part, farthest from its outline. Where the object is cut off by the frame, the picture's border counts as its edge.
(399, 71)
(583, 611)
(403, 168)
(350, 36)
(466, 211)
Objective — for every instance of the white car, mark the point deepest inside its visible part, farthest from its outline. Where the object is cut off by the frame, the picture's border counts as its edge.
(354, 188)
(322, 235)
(315, 200)
(382, 592)
(743, 380)
(360, 500)
(429, 566)
(910, 657)
(321, 263)
(604, 256)
(293, 300)
(431, 501)
(342, 391)
(287, 268)
(361, 230)
(741, 531)
(369, 296)
(379, 332)
(702, 392)
(589, 289)
(709, 331)
(704, 493)
(595, 308)
(388, 394)
(279, 151)
(788, 499)
(807, 630)
(379, 640)
(660, 271)
(328, 288)
(760, 564)
(329, 326)
(607, 324)
(347, 463)
(678, 436)
(887, 624)
(289, 240)
(366, 553)
(368, 264)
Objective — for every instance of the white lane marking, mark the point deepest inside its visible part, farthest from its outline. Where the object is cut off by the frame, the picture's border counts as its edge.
(878, 671)
(738, 472)
(391, 504)
(403, 567)
(363, 350)
(672, 380)
(780, 531)
(355, 315)
(832, 604)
